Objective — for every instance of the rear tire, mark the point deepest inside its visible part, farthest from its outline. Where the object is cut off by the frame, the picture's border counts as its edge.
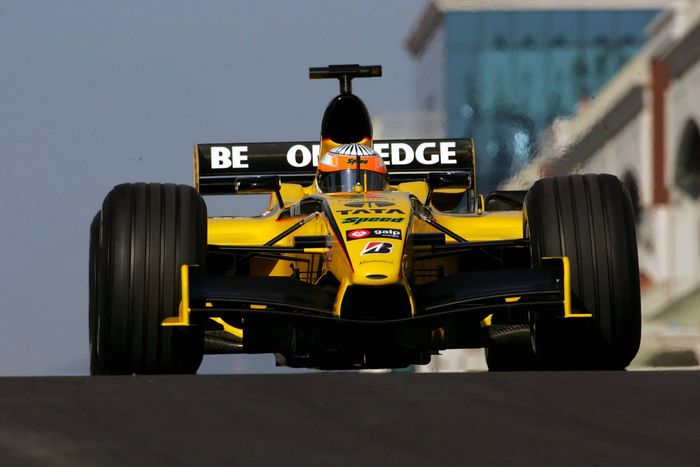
(510, 349)
(589, 219)
(148, 232)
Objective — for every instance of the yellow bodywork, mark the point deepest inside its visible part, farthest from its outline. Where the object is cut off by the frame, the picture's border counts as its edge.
(568, 312)
(356, 262)
(228, 328)
(183, 314)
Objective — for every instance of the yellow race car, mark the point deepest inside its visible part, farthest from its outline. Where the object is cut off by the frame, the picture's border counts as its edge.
(370, 254)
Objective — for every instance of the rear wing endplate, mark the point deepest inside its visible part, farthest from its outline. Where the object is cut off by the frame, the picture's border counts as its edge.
(295, 161)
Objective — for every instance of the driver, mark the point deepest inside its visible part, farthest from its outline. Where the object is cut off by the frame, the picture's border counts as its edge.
(338, 170)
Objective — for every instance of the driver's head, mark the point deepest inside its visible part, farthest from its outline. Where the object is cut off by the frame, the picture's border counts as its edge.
(338, 172)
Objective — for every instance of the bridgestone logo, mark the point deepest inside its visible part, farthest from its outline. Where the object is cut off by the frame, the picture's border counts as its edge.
(377, 248)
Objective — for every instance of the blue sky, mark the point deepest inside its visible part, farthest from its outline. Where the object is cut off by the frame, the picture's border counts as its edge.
(95, 93)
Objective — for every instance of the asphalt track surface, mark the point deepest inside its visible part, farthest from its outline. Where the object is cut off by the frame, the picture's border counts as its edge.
(545, 419)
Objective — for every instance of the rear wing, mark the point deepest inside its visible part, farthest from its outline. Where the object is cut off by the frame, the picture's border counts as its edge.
(216, 166)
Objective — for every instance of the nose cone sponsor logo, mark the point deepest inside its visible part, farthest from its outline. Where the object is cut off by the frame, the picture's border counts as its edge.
(369, 204)
(359, 233)
(346, 212)
(361, 220)
(377, 248)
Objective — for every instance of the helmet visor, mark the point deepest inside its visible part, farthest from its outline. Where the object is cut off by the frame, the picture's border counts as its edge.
(346, 180)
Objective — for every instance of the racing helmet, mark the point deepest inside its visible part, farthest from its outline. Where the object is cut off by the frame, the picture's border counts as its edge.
(351, 168)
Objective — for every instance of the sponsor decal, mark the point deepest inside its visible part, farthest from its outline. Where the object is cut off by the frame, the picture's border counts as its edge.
(304, 155)
(358, 234)
(372, 196)
(354, 161)
(347, 212)
(367, 261)
(225, 158)
(361, 220)
(369, 204)
(397, 154)
(300, 156)
(428, 153)
(377, 248)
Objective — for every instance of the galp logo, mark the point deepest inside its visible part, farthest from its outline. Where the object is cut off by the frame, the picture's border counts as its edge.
(357, 234)
(379, 248)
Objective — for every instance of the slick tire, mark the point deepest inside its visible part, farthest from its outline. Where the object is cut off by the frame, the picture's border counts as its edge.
(148, 232)
(589, 219)
(511, 349)
(92, 281)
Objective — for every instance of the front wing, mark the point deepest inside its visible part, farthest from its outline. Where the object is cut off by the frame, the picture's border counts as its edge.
(471, 294)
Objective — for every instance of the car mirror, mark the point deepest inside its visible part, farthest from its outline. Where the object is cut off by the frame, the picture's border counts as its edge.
(260, 184)
(435, 180)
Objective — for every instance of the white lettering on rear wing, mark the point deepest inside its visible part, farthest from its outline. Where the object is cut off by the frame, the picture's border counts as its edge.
(296, 161)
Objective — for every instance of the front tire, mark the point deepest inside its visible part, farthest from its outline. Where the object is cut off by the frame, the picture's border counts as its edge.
(92, 278)
(589, 219)
(148, 232)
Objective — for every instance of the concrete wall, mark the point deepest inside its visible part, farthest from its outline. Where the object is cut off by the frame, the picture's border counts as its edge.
(683, 107)
(636, 126)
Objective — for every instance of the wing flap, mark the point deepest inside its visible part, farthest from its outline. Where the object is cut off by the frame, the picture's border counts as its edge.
(296, 161)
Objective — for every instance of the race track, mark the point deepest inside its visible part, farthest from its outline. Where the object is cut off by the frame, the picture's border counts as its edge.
(545, 419)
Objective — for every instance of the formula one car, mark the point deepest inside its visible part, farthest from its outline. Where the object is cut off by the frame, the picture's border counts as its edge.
(370, 254)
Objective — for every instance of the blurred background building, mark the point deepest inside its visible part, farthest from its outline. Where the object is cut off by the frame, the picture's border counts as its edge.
(501, 71)
(558, 87)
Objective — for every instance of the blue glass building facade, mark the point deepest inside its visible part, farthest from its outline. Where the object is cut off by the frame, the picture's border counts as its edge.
(507, 75)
